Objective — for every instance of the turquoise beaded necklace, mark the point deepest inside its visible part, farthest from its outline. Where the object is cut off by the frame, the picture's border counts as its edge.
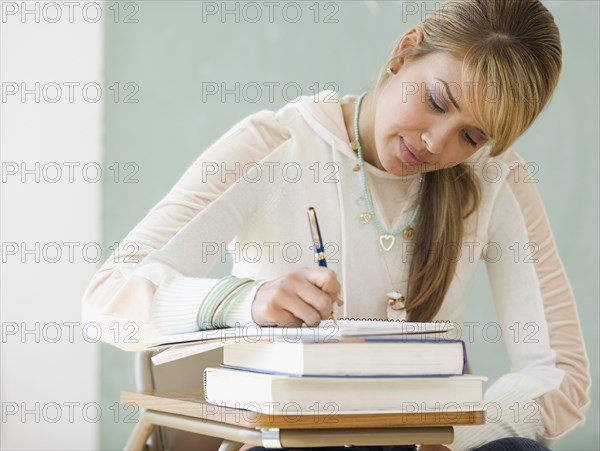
(387, 238)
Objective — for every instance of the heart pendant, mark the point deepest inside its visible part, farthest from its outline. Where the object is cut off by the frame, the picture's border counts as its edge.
(391, 239)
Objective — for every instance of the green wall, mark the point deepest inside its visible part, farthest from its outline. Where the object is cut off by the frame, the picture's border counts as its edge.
(171, 51)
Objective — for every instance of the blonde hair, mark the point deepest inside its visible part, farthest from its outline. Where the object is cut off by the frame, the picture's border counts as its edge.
(512, 47)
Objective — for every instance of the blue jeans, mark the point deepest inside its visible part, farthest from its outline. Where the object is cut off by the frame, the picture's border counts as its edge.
(503, 444)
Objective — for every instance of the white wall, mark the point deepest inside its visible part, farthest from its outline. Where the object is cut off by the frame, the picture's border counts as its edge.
(49, 376)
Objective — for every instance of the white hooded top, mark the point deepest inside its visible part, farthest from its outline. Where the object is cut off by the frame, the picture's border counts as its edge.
(245, 199)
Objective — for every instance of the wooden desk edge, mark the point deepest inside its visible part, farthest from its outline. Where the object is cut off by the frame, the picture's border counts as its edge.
(193, 405)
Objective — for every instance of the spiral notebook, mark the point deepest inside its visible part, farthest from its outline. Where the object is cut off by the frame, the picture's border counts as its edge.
(178, 346)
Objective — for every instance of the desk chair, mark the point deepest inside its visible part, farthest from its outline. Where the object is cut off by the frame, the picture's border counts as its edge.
(181, 375)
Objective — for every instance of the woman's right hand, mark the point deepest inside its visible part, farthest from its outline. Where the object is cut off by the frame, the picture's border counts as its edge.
(307, 296)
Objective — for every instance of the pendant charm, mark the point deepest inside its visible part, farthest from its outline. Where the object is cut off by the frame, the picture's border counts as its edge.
(408, 233)
(396, 300)
(365, 217)
(356, 167)
(391, 239)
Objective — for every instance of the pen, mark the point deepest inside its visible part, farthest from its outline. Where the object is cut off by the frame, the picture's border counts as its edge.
(315, 232)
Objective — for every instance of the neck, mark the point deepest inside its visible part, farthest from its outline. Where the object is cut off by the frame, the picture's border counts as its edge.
(366, 123)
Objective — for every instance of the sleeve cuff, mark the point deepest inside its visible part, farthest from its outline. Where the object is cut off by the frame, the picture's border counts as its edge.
(240, 313)
(508, 414)
(176, 302)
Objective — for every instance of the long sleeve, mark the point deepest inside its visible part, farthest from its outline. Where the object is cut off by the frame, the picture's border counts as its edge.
(545, 393)
(138, 293)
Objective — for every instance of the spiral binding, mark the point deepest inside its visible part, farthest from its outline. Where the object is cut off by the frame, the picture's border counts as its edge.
(391, 320)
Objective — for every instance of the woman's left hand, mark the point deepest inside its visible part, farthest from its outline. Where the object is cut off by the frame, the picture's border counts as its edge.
(433, 448)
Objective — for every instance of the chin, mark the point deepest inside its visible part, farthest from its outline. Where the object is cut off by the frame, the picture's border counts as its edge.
(391, 167)
(396, 167)
(400, 170)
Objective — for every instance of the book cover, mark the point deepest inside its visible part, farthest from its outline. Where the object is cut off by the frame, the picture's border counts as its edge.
(388, 356)
(267, 393)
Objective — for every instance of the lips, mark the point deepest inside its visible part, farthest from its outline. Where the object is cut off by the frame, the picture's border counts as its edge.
(412, 150)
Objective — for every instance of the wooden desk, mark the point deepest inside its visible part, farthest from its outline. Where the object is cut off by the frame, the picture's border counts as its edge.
(189, 412)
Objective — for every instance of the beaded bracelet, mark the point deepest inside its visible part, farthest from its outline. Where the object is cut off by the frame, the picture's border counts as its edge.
(215, 297)
(218, 319)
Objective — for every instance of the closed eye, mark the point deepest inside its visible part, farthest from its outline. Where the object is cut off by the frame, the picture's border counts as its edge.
(435, 107)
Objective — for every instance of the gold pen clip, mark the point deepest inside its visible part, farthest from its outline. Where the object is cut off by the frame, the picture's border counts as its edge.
(313, 225)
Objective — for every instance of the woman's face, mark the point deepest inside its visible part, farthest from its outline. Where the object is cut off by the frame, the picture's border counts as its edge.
(417, 110)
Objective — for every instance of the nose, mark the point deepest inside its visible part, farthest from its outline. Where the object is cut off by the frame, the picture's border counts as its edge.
(426, 142)
(431, 145)
(435, 139)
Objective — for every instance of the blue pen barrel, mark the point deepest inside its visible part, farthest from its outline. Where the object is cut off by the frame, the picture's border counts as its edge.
(315, 233)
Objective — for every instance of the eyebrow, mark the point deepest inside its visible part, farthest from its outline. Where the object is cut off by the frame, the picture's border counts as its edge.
(455, 103)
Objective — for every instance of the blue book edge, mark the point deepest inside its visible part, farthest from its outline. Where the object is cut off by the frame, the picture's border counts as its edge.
(368, 339)
(336, 376)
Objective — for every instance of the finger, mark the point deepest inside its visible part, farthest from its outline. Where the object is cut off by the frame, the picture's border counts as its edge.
(323, 278)
(279, 315)
(287, 319)
(319, 300)
(267, 310)
(326, 281)
(301, 310)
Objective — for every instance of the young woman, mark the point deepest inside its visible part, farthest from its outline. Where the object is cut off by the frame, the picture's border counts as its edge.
(414, 182)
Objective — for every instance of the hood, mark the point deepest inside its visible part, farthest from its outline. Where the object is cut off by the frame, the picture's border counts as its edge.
(323, 112)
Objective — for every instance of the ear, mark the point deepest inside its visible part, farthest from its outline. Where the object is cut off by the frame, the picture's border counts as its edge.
(411, 38)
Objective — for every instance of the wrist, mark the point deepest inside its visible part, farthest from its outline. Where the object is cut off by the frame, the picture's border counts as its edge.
(217, 302)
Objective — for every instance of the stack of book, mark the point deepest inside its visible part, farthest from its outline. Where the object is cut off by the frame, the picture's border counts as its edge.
(345, 373)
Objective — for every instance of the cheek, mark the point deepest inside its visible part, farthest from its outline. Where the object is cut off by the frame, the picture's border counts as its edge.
(395, 117)
(387, 121)
(454, 157)
(380, 126)
(407, 116)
